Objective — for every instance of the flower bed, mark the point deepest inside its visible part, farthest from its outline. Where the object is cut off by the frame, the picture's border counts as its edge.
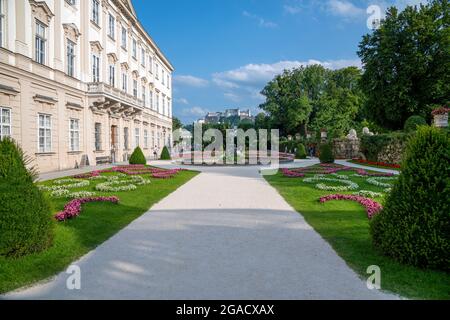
(376, 181)
(378, 164)
(440, 111)
(167, 174)
(65, 184)
(64, 193)
(364, 173)
(368, 194)
(292, 174)
(350, 185)
(73, 208)
(372, 207)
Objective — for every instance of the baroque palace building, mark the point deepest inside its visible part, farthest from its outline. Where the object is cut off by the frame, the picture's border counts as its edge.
(81, 82)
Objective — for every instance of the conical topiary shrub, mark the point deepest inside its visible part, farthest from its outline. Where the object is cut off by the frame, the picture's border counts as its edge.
(165, 154)
(414, 226)
(301, 151)
(26, 224)
(326, 153)
(137, 157)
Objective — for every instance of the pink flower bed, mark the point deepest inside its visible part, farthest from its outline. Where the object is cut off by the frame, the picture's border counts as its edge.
(322, 169)
(363, 172)
(166, 174)
(73, 208)
(87, 175)
(136, 169)
(372, 207)
(292, 174)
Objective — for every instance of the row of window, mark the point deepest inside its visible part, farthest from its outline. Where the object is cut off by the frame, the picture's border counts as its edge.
(45, 133)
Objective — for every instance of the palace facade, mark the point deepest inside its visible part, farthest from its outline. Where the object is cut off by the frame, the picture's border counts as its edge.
(81, 82)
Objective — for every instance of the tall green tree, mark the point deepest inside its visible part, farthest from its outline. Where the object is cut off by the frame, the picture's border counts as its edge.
(176, 123)
(407, 63)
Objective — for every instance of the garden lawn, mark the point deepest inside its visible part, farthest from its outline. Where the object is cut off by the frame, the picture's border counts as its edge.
(96, 223)
(344, 224)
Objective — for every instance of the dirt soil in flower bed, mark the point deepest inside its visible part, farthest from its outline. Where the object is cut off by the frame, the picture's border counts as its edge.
(97, 222)
(345, 225)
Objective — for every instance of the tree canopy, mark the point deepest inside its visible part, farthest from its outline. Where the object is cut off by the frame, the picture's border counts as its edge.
(407, 64)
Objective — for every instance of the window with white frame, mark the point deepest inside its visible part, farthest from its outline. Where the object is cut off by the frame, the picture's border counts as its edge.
(74, 134)
(153, 139)
(136, 137)
(5, 122)
(163, 76)
(157, 71)
(95, 68)
(168, 82)
(146, 138)
(2, 23)
(71, 2)
(150, 63)
(158, 140)
(144, 98)
(163, 105)
(125, 138)
(45, 133)
(70, 58)
(124, 81)
(112, 75)
(134, 52)
(157, 102)
(112, 26)
(135, 88)
(95, 12)
(98, 136)
(151, 99)
(40, 42)
(124, 37)
(143, 57)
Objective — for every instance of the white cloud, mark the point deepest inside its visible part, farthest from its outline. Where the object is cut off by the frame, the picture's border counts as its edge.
(344, 8)
(182, 101)
(263, 23)
(292, 9)
(260, 74)
(191, 81)
(194, 111)
(232, 96)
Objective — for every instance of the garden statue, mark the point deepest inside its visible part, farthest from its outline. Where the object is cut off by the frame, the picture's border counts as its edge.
(366, 132)
(352, 135)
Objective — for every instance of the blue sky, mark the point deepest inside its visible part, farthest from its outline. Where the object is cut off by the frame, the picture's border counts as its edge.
(225, 51)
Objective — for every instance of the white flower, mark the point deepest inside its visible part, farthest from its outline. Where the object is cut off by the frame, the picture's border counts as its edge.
(368, 194)
(376, 181)
(350, 185)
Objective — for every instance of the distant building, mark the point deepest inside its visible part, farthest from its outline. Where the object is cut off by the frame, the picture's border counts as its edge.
(231, 116)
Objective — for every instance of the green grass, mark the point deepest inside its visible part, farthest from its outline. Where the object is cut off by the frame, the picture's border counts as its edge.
(374, 166)
(96, 223)
(344, 224)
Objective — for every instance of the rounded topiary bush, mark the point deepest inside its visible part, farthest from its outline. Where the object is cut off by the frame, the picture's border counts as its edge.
(26, 223)
(414, 226)
(413, 122)
(165, 154)
(301, 151)
(137, 157)
(326, 153)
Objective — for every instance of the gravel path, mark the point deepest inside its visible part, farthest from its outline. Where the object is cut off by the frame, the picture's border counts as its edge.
(226, 234)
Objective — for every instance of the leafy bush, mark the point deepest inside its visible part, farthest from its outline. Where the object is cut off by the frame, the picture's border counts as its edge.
(414, 226)
(413, 122)
(371, 146)
(26, 224)
(137, 157)
(326, 153)
(165, 154)
(301, 151)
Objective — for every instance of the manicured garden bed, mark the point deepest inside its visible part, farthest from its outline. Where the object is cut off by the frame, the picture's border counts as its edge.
(374, 164)
(96, 223)
(345, 225)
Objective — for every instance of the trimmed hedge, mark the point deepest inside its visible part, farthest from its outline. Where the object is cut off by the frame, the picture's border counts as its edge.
(371, 146)
(137, 157)
(301, 151)
(26, 224)
(165, 154)
(413, 122)
(414, 227)
(326, 153)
